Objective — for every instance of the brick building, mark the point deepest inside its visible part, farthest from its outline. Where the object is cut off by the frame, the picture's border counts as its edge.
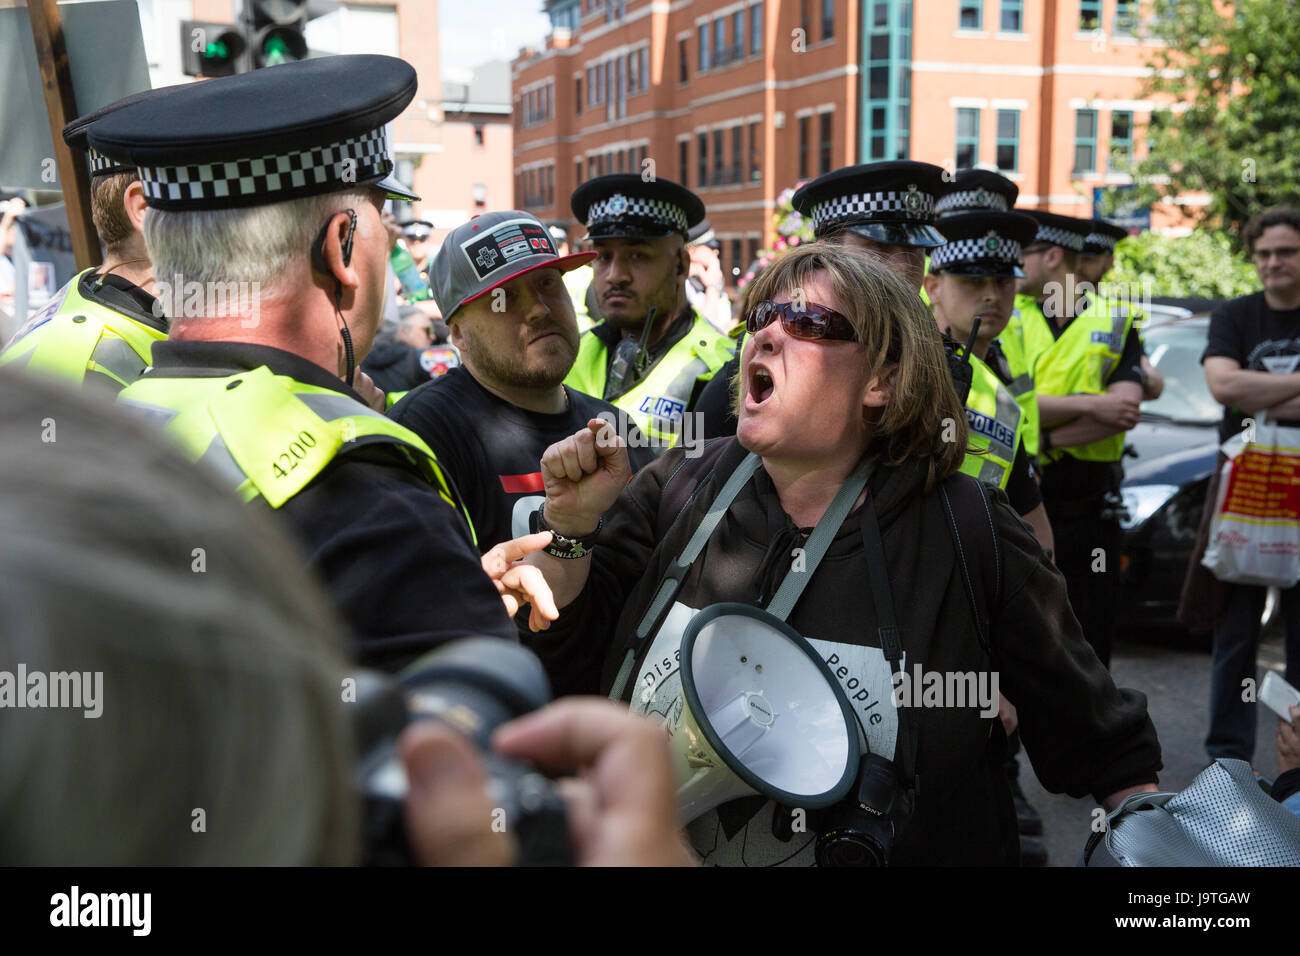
(740, 99)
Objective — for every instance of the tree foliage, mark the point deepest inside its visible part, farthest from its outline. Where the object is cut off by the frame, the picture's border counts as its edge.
(1230, 68)
(1202, 265)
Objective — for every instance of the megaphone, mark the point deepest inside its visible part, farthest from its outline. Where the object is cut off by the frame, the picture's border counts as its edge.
(761, 713)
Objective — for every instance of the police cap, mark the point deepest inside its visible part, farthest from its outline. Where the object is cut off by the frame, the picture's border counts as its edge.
(890, 202)
(625, 206)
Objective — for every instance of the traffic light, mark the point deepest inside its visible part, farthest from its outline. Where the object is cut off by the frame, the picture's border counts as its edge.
(211, 49)
(277, 30)
(267, 33)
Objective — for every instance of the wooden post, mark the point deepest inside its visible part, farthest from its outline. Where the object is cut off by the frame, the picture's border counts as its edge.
(61, 106)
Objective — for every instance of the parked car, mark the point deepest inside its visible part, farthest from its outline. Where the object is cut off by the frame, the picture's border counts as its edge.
(1169, 458)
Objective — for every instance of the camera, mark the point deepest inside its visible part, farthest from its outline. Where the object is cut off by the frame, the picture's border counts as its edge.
(861, 829)
(472, 686)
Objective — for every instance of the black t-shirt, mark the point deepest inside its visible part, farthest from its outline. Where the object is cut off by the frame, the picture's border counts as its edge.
(396, 559)
(492, 450)
(1259, 339)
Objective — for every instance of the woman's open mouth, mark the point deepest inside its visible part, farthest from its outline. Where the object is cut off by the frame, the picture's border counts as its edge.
(761, 386)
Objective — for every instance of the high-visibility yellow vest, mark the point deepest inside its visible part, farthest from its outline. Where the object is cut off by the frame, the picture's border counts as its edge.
(658, 402)
(995, 423)
(1077, 363)
(73, 336)
(266, 435)
(576, 282)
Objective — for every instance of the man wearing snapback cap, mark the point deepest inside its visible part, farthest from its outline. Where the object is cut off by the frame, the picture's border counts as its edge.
(287, 171)
(498, 280)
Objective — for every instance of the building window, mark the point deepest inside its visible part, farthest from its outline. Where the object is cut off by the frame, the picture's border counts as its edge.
(804, 24)
(755, 156)
(1125, 17)
(737, 172)
(577, 94)
(738, 34)
(478, 134)
(643, 56)
(720, 57)
(825, 145)
(702, 160)
(683, 71)
(1089, 14)
(718, 177)
(804, 145)
(704, 47)
(1085, 141)
(968, 138)
(577, 171)
(1008, 151)
(1121, 140)
(1013, 16)
(480, 195)
(887, 85)
(755, 28)
(970, 14)
(828, 19)
(633, 77)
(683, 161)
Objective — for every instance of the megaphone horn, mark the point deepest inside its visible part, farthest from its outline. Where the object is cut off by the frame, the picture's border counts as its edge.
(760, 713)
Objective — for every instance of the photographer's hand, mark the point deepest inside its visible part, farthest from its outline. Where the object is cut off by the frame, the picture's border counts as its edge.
(623, 807)
(448, 812)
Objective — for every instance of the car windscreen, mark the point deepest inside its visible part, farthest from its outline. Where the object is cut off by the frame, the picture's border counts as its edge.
(1176, 351)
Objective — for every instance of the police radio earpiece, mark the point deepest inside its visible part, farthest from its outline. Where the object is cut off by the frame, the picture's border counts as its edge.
(318, 261)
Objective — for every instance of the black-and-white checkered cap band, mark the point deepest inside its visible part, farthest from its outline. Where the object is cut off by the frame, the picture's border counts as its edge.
(101, 165)
(1101, 242)
(969, 200)
(986, 248)
(1059, 237)
(271, 178)
(910, 206)
(619, 206)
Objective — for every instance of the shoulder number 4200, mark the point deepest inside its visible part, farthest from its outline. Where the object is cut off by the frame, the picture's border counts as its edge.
(288, 461)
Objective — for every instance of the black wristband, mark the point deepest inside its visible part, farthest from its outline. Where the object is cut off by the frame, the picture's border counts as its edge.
(563, 546)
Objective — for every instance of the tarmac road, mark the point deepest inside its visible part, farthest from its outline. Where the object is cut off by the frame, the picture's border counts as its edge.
(1176, 681)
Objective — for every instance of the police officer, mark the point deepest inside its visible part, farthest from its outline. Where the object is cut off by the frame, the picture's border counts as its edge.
(417, 235)
(653, 353)
(272, 402)
(99, 328)
(1095, 262)
(1084, 354)
(973, 276)
(886, 209)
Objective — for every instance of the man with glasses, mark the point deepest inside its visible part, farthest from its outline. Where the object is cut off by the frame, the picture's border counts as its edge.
(1252, 366)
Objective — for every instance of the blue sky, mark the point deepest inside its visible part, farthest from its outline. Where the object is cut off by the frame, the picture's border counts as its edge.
(471, 31)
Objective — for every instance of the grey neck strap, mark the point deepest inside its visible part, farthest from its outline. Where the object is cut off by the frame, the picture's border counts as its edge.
(792, 585)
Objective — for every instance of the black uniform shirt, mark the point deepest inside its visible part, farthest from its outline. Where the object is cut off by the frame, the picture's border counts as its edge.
(493, 449)
(396, 559)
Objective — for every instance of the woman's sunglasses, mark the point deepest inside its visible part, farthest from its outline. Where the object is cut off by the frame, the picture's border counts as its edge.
(813, 322)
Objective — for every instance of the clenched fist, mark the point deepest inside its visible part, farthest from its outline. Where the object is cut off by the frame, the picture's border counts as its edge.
(583, 475)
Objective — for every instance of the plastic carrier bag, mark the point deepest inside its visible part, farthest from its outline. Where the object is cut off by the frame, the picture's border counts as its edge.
(1255, 533)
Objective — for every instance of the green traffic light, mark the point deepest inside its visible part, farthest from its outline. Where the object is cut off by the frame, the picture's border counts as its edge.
(217, 50)
(276, 51)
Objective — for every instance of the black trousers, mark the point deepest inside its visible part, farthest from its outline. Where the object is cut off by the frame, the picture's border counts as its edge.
(1088, 555)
